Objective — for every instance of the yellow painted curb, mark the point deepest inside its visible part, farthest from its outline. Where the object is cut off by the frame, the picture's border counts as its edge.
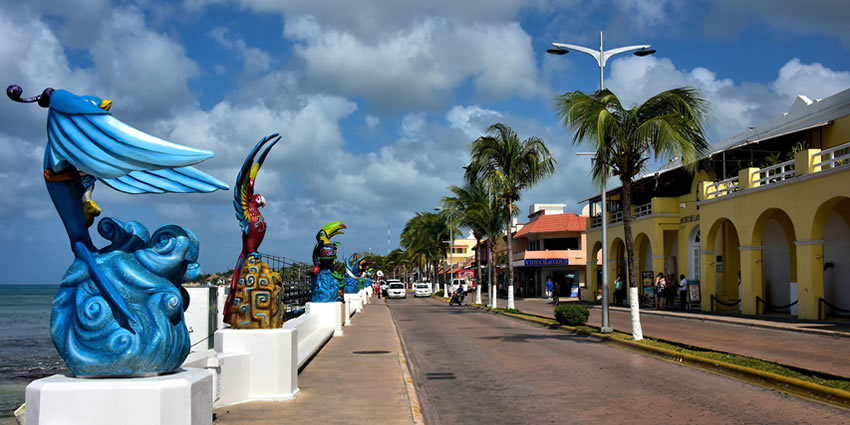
(769, 380)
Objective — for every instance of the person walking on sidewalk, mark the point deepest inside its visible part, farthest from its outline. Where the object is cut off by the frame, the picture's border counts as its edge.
(549, 287)
(556, 293)
(660, 289)
(619, 291)
(683, 292)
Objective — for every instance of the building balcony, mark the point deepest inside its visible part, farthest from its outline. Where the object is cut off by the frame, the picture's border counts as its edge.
(807, 162)
(656, 207)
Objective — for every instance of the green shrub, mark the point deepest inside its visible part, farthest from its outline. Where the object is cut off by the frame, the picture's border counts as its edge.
(438, 293)
(512, 310)
(571, 314)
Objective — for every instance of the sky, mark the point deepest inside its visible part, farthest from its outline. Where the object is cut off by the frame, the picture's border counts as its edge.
(377, 100)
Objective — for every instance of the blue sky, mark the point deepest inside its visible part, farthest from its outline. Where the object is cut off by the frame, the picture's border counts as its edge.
(377, 101)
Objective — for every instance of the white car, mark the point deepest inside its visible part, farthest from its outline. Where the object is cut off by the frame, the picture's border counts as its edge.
(396, 289)
(458, 282)
(422, 290)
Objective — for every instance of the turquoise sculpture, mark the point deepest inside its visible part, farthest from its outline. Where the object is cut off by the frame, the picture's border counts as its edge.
(325, 282)
(119, 309)
(354, 272)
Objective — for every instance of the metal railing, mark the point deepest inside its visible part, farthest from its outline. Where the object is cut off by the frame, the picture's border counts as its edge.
(774, 173)
(769, 307)
(723, 187)
(616, 217)
(595, 221)
(642, 210)
(714, 300)
(822, 311)
(833, 157)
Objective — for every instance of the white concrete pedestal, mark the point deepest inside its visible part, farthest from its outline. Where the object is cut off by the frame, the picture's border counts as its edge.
(179, 398)
(331, 315)
(257, 364)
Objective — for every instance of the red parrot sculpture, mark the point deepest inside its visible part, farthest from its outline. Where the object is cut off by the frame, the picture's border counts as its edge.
(247, 205)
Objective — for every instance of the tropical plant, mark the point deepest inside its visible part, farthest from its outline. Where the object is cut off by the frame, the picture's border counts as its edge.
(465, 209)
(507, 166)
(423, 235)
(571, 314)
(668, 124)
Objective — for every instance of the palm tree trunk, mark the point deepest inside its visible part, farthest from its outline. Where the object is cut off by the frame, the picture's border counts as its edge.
(510, 257)
(478, 271)
(637, 332)
(491, 296)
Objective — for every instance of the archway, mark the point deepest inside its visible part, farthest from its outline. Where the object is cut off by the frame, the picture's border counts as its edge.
(725, 266)
(644, 268)
(693, 253)
(594, 275)
(774, 233)
(832, 225)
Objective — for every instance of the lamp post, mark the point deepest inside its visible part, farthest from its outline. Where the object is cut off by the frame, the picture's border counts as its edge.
(602, 57)
(451, 266)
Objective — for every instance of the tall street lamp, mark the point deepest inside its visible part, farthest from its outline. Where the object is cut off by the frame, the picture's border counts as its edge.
(602, 57)
(451, 266)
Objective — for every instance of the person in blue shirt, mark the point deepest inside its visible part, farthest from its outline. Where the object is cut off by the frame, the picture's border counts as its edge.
(549, 287)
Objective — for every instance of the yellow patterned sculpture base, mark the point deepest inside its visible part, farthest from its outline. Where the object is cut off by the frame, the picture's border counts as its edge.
(258, 298)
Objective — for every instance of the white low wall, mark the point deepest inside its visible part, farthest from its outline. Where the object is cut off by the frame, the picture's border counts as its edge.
(263, 364)
(181, 398)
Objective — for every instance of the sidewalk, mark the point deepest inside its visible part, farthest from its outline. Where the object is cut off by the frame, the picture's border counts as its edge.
(341, 387)
(801, 344)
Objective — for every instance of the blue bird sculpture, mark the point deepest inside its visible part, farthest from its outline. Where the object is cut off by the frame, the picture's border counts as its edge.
(86, 143)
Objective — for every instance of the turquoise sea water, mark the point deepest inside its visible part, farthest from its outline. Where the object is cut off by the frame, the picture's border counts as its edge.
(26, 351)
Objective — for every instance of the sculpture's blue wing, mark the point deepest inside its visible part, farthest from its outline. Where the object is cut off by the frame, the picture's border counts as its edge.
(180, 180)
(104, 147)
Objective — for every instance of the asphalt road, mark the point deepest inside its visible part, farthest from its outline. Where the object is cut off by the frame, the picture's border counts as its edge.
(474, 367)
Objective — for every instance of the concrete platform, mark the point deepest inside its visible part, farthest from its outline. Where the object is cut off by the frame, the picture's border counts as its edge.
(355, 379)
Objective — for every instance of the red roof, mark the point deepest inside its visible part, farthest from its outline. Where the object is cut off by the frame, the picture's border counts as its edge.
(568, 222)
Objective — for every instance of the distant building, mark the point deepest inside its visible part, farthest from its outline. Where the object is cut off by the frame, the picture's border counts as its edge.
(551, 244)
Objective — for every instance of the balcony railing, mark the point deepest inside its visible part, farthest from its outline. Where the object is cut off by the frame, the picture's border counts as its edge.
(774, 173)
(723, 187)
(617, 217)
(833, 157)
(642, 210)
(595, 221)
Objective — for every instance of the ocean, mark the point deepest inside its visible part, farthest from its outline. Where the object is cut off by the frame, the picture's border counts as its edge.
(26, 351)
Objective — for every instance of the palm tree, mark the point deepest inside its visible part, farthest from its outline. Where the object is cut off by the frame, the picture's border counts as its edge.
(491, 220)
(669, 124)
(464, 209)
(507, 166)
(424, 235)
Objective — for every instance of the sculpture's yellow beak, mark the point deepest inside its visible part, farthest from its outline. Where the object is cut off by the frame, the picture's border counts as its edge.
(105, 104)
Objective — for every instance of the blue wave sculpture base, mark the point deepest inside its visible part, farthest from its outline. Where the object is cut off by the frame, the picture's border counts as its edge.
(325, 287)
(147, 273)
(352, 285)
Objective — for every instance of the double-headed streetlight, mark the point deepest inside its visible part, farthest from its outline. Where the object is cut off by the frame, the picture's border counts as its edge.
(451, 267)
(602, 57)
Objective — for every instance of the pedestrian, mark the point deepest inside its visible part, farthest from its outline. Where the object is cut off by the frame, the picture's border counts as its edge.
(549, 287)
(672, 288)
(683, 292)
(660, 289)
(556, 293)
(619, 291)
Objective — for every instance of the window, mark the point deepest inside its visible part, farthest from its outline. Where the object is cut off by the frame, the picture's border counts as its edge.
(459, 250)
(559, 244)
(534, 246)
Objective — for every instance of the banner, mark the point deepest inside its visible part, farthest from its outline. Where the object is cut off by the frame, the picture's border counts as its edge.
(648, 284)
(693, 291)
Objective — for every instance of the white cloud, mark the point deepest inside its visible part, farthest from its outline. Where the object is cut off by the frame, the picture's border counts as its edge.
(813, 80)
(472, 120)
(419, 66)
(372, 121)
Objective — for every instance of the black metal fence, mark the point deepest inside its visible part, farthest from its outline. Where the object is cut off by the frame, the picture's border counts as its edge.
(296, 283)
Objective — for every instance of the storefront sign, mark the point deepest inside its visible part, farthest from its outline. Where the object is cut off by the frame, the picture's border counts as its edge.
(648, 285)
(547, 262)
(689, 219)
(693, 291)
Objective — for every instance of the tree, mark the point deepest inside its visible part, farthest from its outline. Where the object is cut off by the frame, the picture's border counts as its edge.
(667, 125)
(508, 166)
(424, 235)
(491, 220)
(464, 209)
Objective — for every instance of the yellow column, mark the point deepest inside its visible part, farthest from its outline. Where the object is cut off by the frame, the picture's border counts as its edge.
(751, 278)
(746, 180)
(591, 283)
(706, 280)
(809, 277)
(804, 162)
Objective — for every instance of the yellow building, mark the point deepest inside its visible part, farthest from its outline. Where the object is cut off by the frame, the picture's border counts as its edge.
(764, 225)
